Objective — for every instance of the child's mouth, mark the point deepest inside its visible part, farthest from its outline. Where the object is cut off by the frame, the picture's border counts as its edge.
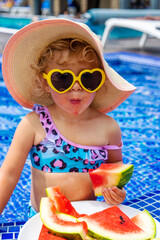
(75, 101)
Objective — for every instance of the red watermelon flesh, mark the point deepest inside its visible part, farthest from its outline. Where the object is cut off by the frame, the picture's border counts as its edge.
(46, 235)
(70, 229)
(110, 174)
(61, 202)
(112, 223)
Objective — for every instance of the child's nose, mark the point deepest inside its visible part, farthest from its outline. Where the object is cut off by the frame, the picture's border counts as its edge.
(76, 86)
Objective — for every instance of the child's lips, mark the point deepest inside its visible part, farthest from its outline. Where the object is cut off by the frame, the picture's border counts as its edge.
(75, 100)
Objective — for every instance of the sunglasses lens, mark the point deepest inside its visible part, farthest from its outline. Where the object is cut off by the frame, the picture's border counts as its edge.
(91, 80)
(61, 81)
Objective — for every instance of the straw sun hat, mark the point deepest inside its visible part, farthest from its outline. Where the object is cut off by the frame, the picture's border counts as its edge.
(24, 48)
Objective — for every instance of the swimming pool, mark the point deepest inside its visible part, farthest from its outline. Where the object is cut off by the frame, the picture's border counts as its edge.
(138, 117)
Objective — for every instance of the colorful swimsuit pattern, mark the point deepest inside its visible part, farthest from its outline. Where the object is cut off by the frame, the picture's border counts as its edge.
(57, 154)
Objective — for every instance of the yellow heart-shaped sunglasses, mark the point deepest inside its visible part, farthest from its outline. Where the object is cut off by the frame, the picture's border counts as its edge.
(63, 80)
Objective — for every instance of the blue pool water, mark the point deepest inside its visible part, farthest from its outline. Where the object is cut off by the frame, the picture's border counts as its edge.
(138, 117)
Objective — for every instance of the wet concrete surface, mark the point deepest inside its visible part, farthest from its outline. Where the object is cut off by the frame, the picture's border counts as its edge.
(151, 47)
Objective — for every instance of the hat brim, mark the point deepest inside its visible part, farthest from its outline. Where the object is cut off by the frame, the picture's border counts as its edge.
(24, 48)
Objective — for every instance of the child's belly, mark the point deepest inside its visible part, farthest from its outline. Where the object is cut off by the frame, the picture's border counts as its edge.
(75, 186)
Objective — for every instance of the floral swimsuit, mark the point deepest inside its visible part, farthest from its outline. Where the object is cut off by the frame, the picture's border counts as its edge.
(57, 154)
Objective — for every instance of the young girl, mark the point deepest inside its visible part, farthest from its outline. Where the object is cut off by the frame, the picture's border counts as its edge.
(59, 66)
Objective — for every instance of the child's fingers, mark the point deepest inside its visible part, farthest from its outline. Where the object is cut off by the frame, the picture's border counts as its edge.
(114, 195)
(120, 192)
(109, 196)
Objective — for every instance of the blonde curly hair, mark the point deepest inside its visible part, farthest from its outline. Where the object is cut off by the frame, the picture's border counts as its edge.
(63, 51)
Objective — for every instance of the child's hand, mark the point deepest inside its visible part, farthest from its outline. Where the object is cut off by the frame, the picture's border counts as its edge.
(114, 195)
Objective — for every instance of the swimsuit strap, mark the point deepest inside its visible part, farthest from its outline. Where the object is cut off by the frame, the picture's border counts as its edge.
(114, 147)
(45, 119)
(50, 129)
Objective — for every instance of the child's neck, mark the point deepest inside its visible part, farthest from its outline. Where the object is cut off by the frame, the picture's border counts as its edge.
(59, 113)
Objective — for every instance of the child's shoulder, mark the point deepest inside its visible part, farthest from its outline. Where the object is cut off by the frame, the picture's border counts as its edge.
(106, 122)
(32, 124)
(32, 116)
(107, 129)
(111, 120)
(106, 119)
(109, 124)
(30, 119)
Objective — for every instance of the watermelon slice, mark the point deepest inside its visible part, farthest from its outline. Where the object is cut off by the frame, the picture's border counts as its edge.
(46, 235)
(61, 203)
(110, 174)
(145, 221)
(67, 217)
(66, 229)
(113, 224)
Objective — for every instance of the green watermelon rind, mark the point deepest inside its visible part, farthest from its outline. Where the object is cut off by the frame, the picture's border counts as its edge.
(100, 234)
(99, 237)
(49, 192)
(150, 224)
(96, 236)
(125, 176)
(89, 237)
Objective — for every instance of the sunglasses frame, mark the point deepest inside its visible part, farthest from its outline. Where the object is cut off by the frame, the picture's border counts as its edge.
(78, 78)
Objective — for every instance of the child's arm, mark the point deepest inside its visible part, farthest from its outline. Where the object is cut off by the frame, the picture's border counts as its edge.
(15, 159)
(114, 195)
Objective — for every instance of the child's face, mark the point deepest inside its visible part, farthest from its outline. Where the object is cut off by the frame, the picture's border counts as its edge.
(76, 100)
